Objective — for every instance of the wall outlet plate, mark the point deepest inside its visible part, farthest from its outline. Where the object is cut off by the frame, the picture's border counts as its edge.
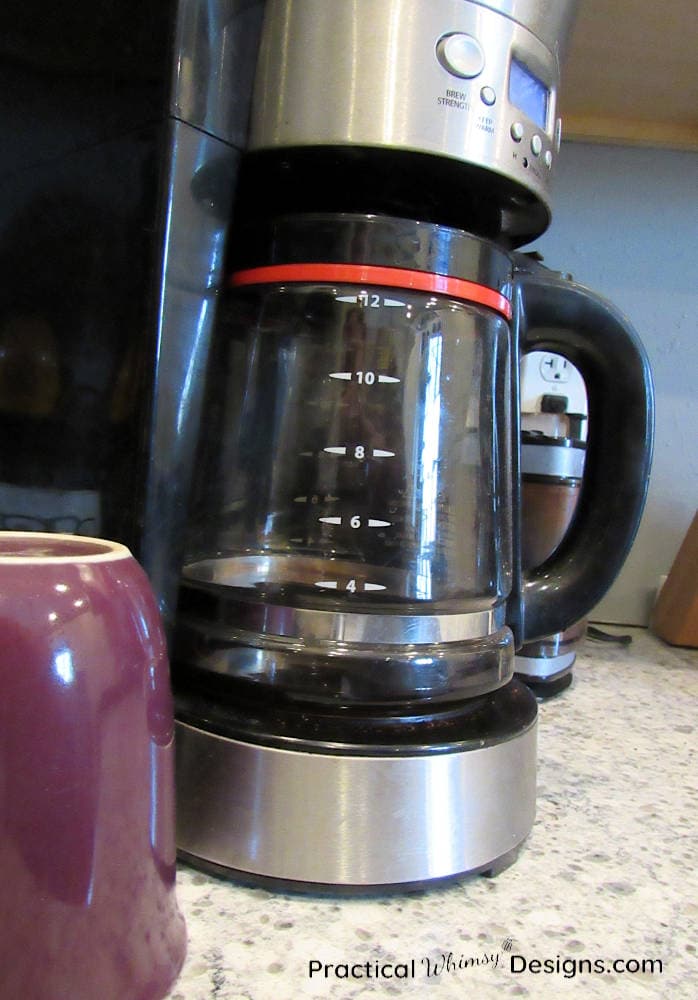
(547, 374)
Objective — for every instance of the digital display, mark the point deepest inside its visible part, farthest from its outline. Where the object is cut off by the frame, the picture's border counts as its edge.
(528, 93)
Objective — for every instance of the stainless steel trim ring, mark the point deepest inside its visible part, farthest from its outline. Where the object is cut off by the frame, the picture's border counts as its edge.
(249, 612)
(368, 629)
(555, 461)
(542, 667)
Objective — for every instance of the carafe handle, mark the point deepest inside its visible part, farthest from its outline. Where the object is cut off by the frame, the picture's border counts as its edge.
(555, 314)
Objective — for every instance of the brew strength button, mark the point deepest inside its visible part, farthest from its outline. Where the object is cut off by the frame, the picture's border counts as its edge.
(461, 55)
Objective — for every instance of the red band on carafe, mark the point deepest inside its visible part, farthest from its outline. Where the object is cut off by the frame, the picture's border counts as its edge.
(370, 274)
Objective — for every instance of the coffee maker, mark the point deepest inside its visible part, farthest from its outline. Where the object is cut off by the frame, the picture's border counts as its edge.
(352, 590)
(335, 728)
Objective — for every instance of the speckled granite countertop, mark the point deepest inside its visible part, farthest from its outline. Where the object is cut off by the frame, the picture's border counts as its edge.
(608, 873)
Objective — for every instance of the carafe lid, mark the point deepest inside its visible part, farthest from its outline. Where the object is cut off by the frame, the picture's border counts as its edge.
(377, 240)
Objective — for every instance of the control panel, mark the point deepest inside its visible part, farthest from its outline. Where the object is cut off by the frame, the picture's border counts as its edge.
(454, 79)
(527, 100)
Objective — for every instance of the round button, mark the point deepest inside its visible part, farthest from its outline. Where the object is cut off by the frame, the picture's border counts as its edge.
(488, 96)
(536, 145)
(517, 131)
(548, 159)
(461, 55)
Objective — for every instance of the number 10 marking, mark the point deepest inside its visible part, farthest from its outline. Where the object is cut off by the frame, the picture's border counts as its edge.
(364, 377)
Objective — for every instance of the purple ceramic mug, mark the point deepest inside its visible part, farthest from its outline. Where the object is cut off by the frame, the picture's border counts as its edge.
(87, 848)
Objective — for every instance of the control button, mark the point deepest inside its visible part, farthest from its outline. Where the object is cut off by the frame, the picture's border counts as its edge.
(488, 96)
(461, 55)
(517, 131)
(536, 145)
(548, 159)
(558, 134)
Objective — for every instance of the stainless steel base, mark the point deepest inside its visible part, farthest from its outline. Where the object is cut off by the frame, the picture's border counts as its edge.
(351, 820)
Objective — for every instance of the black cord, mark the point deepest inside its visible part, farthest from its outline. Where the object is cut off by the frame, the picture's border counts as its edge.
(600, 636)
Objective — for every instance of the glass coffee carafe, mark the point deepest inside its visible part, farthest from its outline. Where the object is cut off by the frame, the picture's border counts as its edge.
(353, 587)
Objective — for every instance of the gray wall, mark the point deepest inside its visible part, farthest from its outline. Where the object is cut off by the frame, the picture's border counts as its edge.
(625, 222)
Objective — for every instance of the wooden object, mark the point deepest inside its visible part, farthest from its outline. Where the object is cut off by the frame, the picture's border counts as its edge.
(675, 615)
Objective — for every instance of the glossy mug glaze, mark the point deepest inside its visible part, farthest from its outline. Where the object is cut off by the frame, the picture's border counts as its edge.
(87, 847)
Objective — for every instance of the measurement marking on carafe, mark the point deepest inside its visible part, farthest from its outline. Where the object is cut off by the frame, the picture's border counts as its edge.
(369, 299)
(359, 451)
(374, 586)
(355, 521)
(364, 377)
(350, 586)
(332, 584)
(328, 498)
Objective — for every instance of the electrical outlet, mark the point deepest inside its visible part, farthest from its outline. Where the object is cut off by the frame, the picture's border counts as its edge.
(554, 368)
(544, 373)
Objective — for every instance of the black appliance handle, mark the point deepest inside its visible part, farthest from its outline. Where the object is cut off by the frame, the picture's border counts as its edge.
(558, 315)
